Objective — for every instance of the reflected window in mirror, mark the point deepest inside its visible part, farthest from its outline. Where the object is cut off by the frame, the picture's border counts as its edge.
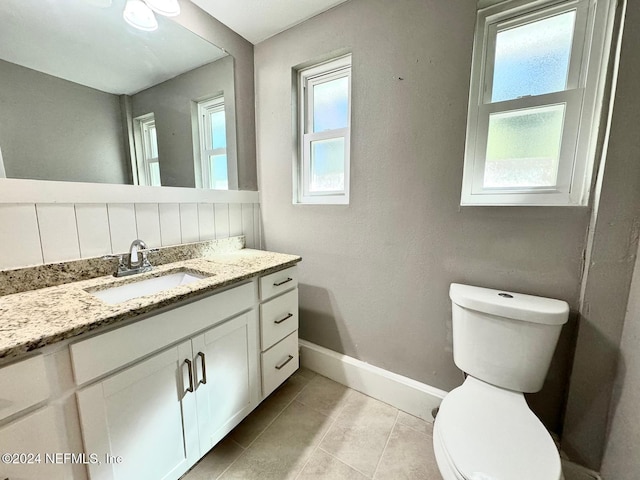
(147, 161)
(213, 143)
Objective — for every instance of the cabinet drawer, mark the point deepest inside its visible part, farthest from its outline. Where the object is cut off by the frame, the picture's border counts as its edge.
(22, 384)
(279, 363)
(278, 282)
(104, 353)
(278, 318)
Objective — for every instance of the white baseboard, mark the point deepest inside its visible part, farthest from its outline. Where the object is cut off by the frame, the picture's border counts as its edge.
(409, 395)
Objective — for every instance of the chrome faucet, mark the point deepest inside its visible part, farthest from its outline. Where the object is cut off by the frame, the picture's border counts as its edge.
(137, 262)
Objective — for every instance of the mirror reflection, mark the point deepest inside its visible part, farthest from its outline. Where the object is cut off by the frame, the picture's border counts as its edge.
(84, 96)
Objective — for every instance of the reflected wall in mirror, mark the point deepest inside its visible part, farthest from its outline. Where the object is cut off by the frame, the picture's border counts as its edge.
(86, 97)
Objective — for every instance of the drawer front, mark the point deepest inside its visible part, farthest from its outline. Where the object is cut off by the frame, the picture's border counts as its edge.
(278, 282)
(104, 353)
(278, 318)
(279, 363)
(22, 384)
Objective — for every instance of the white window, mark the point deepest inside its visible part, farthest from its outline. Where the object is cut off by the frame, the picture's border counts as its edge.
(213, 144)
(148, 165)
(536, 91)
(324, 119)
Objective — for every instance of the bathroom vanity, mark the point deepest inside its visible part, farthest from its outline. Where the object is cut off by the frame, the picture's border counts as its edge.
(145, 387)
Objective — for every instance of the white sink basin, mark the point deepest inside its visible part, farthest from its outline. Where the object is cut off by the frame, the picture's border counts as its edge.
(142, 288)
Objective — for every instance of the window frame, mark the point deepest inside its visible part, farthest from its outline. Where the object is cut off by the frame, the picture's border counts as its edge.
(144, 159)
(582, 96)
(205, 108)
(340, 67)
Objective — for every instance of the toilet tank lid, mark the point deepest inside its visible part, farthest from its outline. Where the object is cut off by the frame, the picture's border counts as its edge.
(518, 306)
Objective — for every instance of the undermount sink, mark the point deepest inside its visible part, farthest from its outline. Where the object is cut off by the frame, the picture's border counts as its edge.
(149, 286)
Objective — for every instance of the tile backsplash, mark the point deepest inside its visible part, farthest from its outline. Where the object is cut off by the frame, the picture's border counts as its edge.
(33, 234)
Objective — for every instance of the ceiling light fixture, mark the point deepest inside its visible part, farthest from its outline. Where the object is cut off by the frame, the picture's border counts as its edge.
(168, 8)
(139, 15)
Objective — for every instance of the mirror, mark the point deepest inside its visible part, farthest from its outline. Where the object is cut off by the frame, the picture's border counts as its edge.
(79, 86)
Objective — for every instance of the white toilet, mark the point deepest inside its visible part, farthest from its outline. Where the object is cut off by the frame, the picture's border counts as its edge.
(484, 429)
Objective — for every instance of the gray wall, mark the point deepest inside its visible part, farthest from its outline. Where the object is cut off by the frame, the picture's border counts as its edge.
(375, 274)
(172, 103)
(219, 34)
(606, 284)
(53, 129)
(621, 460)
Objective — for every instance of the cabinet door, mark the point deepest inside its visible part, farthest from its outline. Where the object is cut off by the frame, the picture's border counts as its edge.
(227, 388)
(36, 433)
(145, 415)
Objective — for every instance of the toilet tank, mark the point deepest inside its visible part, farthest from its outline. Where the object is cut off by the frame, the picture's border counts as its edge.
(503, 338)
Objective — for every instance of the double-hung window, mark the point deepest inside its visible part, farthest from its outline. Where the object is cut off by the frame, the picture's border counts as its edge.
(148, 163)
(213, 144)
(536, 90)
(324, 119)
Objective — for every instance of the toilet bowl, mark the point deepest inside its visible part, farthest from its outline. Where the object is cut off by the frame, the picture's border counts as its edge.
(484, 429)
(483, 432)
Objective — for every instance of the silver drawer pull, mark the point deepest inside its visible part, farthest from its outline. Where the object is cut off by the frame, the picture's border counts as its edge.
(278, 322)
(204, 369)
(277, 284)
(279, 367)
(190, 368)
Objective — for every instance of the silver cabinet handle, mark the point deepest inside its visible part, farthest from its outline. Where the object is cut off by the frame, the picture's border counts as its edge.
(277, 284)
(204, 369)
(278, 322)
(279, 367)
(190, 367)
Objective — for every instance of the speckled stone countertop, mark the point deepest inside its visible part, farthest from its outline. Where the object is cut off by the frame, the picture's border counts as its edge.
(36, 318)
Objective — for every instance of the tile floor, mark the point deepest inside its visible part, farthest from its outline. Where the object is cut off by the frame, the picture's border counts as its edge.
(314, 428)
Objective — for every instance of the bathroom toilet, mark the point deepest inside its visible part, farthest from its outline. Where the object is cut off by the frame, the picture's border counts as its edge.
(484, 429)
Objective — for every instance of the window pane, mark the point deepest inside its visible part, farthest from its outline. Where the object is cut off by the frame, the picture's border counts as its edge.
(523, 147)
(218, 172)
(153, 141)
(533, 59)
(327, 166)
(331, 105)
(218, 131)
(154, 171)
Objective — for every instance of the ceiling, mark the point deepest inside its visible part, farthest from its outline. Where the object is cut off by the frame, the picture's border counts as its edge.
(257, 20)
(88, 42)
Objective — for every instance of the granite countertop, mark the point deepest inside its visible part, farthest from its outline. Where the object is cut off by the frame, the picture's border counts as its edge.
(36, 318)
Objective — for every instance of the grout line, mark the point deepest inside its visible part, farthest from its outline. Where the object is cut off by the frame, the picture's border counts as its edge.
(246, 449)
(333, 421)
(344, 463)
(386, 444)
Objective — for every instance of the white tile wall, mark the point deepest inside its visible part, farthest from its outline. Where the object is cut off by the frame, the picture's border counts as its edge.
(170, 224)
(222, 220)
(235, 219)
(122, 225)
(189, 222)
(50, 232)
(19, 236)
(58, 232)
(206, 221)
(93, 229)
(148, 224)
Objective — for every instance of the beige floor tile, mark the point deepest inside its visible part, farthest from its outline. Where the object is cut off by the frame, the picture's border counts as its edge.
(360, 432)
(323, 466)
(270, 408)
(324, 395)
(415, 423)
(306, 373)
(283, 448)
(408, 455)
(216, 461)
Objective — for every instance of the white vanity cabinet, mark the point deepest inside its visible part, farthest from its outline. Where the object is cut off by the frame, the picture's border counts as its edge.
(278, 328)
(28, 439)
(163, 413)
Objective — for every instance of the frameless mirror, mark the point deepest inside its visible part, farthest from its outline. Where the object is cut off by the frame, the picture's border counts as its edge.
(86, 97)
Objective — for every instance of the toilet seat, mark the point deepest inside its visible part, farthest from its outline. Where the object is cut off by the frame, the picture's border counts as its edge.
(489, 433)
